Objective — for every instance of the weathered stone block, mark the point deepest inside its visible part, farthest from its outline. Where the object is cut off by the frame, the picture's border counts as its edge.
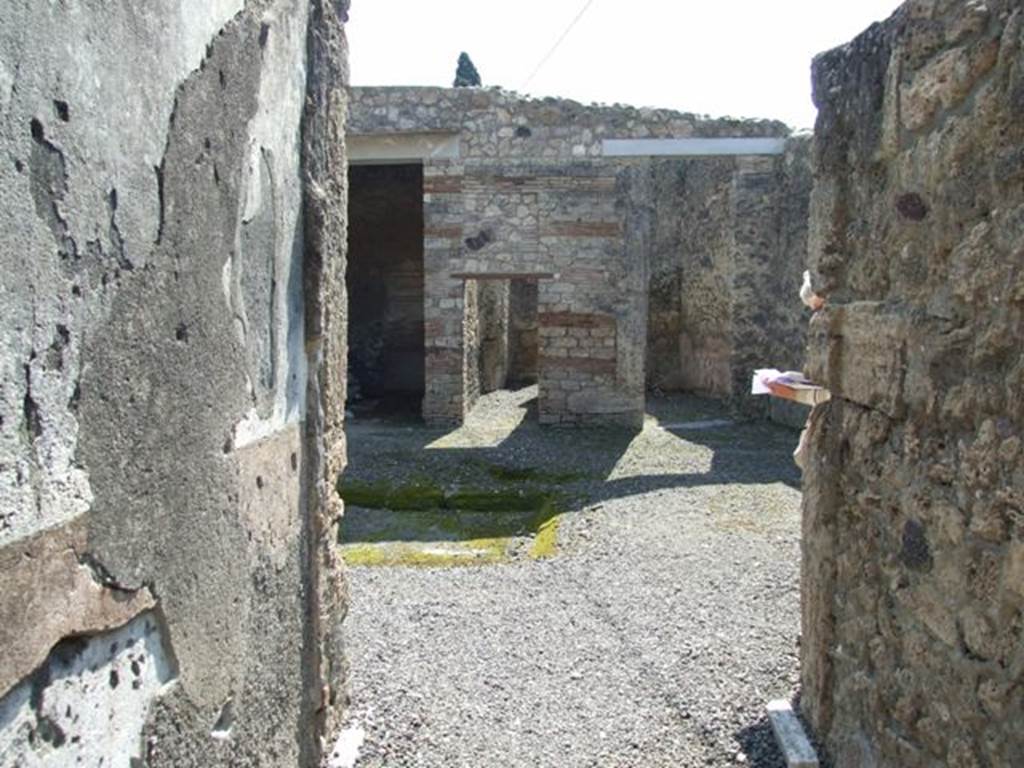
(867, 355)
(945, 82)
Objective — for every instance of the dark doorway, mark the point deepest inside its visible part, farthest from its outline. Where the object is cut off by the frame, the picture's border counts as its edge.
(385, 288)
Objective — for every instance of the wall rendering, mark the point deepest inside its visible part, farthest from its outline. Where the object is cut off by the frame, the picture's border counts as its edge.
(164, 527)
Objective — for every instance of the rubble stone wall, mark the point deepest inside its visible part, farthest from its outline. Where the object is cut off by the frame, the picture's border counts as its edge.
(522, 342)
(913, 569)
(690, 341)
(161, 509)
(727, 262)
(494, 329)
(528, 190)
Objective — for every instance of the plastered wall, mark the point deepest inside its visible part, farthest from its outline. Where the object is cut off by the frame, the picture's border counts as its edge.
(161, 485)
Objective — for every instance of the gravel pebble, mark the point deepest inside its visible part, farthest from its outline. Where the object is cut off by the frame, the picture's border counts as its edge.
(655, 637)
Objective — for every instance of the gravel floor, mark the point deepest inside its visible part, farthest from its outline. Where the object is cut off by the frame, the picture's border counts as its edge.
(655, 637)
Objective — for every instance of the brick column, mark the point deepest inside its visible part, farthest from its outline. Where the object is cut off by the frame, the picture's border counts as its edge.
(442, 296)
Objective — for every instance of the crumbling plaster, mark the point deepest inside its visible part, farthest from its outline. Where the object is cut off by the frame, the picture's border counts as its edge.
(88, 704)
(156, 450)
(50, 583)
(85, 60)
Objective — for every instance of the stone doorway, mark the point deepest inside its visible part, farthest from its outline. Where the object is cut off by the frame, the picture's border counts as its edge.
(508, 321)
(385, 285)
(501, 333)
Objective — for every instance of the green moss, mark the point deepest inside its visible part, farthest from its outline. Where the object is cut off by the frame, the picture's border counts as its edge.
(420, 525)
(417, 496)
(362, 494)
(496, 501)
(422, 496)
(363, 554)
(545, 541)
(471, 552)
(412, 497)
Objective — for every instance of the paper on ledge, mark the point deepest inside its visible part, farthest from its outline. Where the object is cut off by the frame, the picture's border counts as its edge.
(791, 379)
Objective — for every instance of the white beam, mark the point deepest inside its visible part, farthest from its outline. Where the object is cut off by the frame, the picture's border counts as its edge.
(383, 148)
(692, 147)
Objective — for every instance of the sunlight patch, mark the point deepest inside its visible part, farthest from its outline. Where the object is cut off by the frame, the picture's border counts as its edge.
(674, 456)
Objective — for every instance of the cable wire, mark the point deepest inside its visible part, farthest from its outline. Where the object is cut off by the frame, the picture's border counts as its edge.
(558, 42)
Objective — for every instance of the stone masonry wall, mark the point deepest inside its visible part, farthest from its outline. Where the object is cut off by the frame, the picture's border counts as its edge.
(689, 345)
(529, 190)
(770, 197)
(726, 266)
(913, 638)
(494, 334)
(522, 342)
(164, 524)
(787, 315)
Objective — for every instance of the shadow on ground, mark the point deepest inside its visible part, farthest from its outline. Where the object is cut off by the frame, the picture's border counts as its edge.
(699, 443)
(503, 478)
(758, 744)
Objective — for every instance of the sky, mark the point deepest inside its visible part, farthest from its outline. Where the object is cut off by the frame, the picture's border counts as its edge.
(738, 58)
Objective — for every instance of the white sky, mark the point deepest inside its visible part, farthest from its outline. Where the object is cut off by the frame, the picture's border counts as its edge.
(742, 58)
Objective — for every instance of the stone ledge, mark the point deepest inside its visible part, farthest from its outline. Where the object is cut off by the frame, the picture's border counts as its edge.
(858, 351)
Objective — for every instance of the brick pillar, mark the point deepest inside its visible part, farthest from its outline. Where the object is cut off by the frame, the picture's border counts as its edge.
(442, 296)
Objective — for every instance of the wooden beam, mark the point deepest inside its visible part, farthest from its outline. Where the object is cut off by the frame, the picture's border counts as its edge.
(504, 276)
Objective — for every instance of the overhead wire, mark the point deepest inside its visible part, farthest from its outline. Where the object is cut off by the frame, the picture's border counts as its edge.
(558, 43)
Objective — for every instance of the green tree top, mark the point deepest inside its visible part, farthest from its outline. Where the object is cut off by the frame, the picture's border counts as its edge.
(466, 74)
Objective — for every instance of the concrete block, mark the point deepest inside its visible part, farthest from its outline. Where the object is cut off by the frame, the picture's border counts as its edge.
(789, 733)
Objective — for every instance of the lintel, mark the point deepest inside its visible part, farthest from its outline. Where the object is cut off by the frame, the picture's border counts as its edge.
(385, 148)
(504, 276)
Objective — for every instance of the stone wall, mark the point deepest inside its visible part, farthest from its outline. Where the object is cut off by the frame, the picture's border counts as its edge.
(494, 334)
(522, 187)
(726, 267)
(471, 349)
(522, 341)
(769, 321)
(690, 341)
(791, 258)
(165, 532)
(913, 638)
